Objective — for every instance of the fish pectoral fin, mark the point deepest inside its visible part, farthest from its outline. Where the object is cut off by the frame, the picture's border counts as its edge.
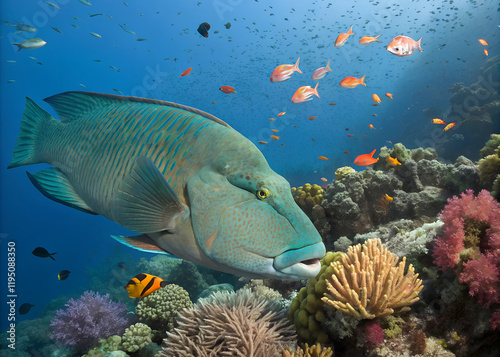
(145, 202)
(54, 184)
(142, 243)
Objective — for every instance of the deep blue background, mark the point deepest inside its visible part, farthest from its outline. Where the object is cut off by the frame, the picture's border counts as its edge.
(263, 35)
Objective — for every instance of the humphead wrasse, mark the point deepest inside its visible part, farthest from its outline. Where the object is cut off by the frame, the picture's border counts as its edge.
(189, 183)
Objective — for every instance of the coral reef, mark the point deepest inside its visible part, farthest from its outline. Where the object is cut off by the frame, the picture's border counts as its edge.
(105, 346)
(366, 282)
(310, 351)
(419, 187)
(230, 324)
(88, 319)
(159, 309)
(136, 337)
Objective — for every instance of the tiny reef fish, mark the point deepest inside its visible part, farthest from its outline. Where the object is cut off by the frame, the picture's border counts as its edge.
(284, 72)
(342, 38)
(365, 159)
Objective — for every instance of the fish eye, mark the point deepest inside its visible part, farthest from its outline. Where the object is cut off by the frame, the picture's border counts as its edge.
(262, 194)
(396, 48)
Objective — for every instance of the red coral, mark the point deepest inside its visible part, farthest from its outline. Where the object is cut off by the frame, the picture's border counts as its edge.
(373, 334)
(495, 320)
(482, 277)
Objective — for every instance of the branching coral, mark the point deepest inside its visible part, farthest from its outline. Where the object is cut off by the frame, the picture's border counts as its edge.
(310, 351)
(366, 282)
(88, 319)
(230, 324)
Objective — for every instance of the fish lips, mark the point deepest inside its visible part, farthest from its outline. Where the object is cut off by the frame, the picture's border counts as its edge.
(302, 263)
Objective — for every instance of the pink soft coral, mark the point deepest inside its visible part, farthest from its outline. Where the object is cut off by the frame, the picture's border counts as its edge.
(482, 277)
(464, 211)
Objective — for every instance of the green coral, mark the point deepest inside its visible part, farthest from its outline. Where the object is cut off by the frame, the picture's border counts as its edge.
(308, 196)
(104, 346)
(489, 166)
(136, 337)
(159, 309)
(342, 172)
(391, 325)
(492, 146)
(307, 310)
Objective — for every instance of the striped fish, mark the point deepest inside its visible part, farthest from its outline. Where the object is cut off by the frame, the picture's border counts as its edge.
(193, 186)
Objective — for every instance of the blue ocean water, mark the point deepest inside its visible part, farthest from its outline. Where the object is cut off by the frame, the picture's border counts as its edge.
(263, 35)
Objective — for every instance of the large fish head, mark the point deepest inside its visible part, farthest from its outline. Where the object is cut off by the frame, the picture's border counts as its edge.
(249, 224)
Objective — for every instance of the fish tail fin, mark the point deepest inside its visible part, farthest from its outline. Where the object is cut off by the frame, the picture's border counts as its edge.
(316, 90)
(18, 45)
(362, 80)
(51, 255)
(328, 66)
(350, 32)
(296, 66)
(35, 122)
(376, 38)
(418, 45)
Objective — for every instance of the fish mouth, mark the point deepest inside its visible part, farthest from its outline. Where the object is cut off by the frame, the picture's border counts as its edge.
(300, 263)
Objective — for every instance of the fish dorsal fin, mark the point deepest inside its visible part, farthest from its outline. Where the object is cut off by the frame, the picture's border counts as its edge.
(74, 105)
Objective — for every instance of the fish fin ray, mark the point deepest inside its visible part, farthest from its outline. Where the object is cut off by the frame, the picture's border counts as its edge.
(54, 184)
(74, 104)
(34, 119)
(142, 243)
(145, 202)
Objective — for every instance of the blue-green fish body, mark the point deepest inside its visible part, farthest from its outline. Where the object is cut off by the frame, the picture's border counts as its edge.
(190, 183)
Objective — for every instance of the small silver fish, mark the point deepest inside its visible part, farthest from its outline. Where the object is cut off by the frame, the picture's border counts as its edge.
(76, 18)
(30, 44)
(22, 27)
(11, 61)
(75, 26)
(95, 34)
(82, 85)
(92, 15)
(126, 30)
(56, 29)
(117, 90)
(141, 39)
(85, 2)
(53, 5)
(116, 69)
(11, 81)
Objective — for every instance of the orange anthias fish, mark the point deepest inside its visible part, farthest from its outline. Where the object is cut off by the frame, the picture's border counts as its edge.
(388, 95)
(282, 113)
(485, 52)
(322, 158)
(483, 42)
(371, 126)
(392, 161)
(449, 126)
(313, 117)
(304, 93)
(376, 98)
(284, 72)
(186, 72)
(366, 159)
(227, 89)
(365, 40)
(438, 121)
(321, 72)
(388, 198)
(403, 46)
(352, 82)
(342, 38)
(274, 137)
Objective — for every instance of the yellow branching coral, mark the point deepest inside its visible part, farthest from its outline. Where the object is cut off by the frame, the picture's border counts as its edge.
(366, 282)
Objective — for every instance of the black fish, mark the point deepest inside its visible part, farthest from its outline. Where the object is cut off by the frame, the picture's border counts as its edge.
(25, 308)
(203, 29)
(63, 274)
(42, 253)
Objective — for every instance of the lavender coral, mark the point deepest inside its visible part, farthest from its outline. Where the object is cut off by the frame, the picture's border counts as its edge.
(88, 319)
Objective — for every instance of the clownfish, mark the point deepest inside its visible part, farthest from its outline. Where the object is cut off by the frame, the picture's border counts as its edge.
(143, 284)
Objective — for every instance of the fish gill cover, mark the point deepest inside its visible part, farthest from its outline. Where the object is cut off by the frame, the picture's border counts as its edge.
(431, 95)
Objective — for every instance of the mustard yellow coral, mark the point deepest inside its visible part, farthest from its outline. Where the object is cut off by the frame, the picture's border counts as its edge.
(343, 172)
(308, 196)
(366, 283)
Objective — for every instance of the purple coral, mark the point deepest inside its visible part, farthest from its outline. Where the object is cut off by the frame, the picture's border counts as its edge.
(88, 319)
